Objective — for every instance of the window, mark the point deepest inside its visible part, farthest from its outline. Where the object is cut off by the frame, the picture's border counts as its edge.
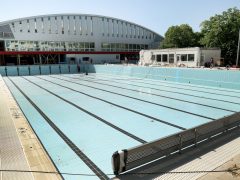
(190, 57)
(103, 27)
(138, 47)
(80, 28)
(85, 58)
(13, 26)
(159, 58)
(68, 25)
(35, 26)
(86, 26)
(165, 58)
(87, 45)
(42, 26)
(92, 45)
(117, 47)
(49, 27)
(106, 46)
(183, 57)
(113, 47)
(134, 46)
(130, 47)
(171, 58)
(126, 47)
(81, 46)
(91, 27)
(112, 28)
(62, 26)
(74, 26)
(28, 26)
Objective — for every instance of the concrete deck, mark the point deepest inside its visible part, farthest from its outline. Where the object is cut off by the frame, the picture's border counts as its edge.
(20, 149)
(233, 163)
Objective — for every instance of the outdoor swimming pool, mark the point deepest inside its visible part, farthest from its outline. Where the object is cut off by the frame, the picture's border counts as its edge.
(83, 119)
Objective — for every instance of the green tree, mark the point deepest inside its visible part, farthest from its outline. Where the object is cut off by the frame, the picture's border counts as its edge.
(222, 31)
(180, 36)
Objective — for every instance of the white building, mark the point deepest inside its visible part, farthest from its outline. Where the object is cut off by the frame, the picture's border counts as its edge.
(189, 57)
(72, 37)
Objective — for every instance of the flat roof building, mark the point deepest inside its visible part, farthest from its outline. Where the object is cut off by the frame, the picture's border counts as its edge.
(62, 38)
(189, 57)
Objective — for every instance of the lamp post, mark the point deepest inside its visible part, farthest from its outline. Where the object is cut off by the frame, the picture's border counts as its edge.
(238, 49)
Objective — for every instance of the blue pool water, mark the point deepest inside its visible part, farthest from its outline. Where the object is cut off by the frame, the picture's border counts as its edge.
(102, 113)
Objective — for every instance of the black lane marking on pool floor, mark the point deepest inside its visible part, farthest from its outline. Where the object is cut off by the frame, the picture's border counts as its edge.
(175, 92)
(112, 80)
(80, 154)
(162, 81)
(122, 107)
(149, 102)
(167, 97)
(91, 114)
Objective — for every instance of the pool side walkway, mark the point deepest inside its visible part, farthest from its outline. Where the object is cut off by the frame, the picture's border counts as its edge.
(20, 148)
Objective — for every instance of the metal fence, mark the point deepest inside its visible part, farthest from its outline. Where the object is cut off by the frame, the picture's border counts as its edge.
(131, 158)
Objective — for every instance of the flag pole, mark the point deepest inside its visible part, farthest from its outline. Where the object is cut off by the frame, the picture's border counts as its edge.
(238, 49)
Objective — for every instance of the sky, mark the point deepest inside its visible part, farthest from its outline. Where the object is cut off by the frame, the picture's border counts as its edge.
(157, 15)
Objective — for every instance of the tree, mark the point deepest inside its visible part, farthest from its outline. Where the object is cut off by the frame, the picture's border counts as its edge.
(222, 31)
(180, 36)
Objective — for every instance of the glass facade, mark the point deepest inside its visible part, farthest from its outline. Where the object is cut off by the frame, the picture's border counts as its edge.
(117, 47)
(13, 45)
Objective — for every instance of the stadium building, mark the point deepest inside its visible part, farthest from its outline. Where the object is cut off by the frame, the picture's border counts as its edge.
(72, 38)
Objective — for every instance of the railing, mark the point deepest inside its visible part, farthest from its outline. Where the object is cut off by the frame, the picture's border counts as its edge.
(131, 158)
